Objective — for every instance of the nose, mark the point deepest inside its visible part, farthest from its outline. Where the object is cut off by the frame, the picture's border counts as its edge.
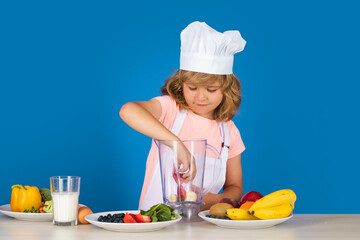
(201, 94)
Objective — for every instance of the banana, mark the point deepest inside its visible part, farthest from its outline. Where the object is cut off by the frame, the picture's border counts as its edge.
(239, 214)
(274, 199)
(280, 211)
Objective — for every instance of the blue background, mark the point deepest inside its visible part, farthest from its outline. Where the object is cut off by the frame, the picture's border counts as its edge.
(66, 68)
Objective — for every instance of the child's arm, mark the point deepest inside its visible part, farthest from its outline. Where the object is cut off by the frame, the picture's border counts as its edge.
(233, 187)
(143, 117)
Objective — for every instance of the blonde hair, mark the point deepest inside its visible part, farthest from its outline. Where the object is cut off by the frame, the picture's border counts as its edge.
(230, 87)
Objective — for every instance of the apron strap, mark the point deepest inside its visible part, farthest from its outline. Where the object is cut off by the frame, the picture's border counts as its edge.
(225, 143)
(179, 122)
(224, 135)
(224, 157)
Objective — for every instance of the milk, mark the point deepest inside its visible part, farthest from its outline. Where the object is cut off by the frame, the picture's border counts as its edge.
(65, 206)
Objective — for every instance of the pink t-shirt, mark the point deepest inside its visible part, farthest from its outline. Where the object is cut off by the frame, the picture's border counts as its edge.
(194, 127)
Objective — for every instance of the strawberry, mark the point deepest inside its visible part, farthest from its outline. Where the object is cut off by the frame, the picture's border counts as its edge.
(129, 219)
(142, 218)
(180, 187)
(182, 192)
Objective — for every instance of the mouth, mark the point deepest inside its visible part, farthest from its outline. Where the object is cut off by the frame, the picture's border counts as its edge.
(201, 105)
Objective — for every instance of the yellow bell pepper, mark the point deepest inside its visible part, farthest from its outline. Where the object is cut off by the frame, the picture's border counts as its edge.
(24, 197)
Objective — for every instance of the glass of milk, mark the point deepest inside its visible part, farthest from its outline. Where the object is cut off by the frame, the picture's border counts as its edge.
(65, 197)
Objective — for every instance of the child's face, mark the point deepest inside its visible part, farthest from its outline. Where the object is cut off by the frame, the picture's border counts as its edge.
(203, 99)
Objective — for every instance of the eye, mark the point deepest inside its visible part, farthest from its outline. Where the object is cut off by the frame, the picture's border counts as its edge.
(211, 90)
(192, 88)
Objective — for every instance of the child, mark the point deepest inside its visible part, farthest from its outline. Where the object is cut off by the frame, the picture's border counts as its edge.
(198, 102)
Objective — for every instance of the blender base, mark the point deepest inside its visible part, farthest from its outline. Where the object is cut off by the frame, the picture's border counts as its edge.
(189, 210)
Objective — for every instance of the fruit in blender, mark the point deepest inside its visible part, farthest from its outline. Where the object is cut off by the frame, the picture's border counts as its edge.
(191, 196)
(173, 197)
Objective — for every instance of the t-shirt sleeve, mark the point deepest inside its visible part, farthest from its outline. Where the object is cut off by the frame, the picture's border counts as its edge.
(169, 110)
(236, 144)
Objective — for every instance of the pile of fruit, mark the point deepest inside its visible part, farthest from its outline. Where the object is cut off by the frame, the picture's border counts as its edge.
(125, 218)
(157, 213)
(254, 206)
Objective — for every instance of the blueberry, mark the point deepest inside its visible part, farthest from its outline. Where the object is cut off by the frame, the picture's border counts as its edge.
(112, 218)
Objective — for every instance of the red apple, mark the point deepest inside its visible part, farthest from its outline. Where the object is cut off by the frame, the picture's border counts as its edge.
(250, 196)
(230, 201)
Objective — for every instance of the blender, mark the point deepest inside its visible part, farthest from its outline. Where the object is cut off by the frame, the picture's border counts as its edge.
(185, 194)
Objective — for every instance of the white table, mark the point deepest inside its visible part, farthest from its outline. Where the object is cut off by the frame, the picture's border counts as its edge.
(301, 226)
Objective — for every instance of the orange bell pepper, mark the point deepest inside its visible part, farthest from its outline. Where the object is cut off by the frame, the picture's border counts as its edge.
(24, 197)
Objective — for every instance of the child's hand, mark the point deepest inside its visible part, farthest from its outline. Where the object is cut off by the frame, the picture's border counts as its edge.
(186, 163)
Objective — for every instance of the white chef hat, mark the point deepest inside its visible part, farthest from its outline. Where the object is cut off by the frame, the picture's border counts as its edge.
(203, 49)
